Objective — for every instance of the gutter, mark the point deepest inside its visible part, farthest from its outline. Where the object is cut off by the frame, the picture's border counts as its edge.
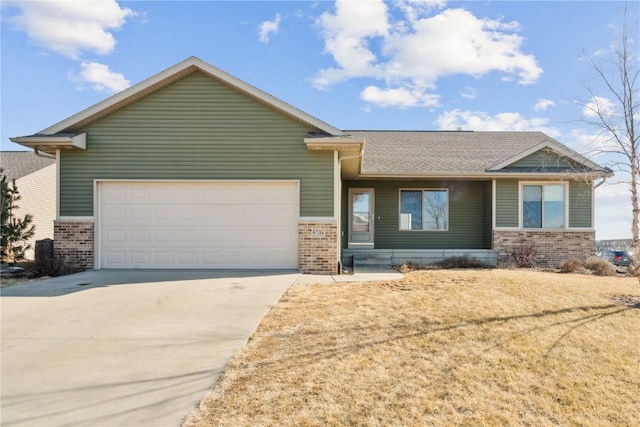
(473, 175)
(43, 155)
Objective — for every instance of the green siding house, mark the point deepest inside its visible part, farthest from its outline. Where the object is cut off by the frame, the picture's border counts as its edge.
(194, 168)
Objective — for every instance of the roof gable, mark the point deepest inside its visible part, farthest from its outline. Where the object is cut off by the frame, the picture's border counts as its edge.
(169, 76)
(547, 156)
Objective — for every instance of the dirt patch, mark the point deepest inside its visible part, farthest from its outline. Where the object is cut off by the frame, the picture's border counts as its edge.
(6, 282)
(632, 301)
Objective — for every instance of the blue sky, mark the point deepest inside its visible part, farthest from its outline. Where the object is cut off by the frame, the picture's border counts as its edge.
(412, 64)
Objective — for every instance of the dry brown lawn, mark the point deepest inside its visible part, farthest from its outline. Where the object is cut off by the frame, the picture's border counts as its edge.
(441, 347)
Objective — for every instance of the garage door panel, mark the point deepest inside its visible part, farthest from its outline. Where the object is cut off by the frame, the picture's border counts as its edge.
(162, 257)
(198, 224)
(187, 214)
(114, 214)
(139, 236)
(163, 235)
(140, 214)
(140, 257)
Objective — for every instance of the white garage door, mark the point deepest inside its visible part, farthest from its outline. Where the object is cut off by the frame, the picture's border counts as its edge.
(249, 225)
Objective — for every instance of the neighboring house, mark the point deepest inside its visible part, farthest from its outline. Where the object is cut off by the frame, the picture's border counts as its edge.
(194, 168)
(35, 179)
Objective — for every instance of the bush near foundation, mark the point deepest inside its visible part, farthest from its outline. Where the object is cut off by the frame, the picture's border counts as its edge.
(573, 266)
(600, 267)
(461, 262)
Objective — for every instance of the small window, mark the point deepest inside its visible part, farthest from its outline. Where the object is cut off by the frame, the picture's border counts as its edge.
(543, 206)
(425, 210)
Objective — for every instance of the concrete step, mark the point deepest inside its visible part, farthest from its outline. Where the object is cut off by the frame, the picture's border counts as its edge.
(370, 260)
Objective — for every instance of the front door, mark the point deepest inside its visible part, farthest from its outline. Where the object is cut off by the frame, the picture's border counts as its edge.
(360, 217)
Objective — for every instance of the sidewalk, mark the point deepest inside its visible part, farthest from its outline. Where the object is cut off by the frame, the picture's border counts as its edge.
(362, 274)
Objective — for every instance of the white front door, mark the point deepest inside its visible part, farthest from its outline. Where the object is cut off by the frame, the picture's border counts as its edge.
(361, 217)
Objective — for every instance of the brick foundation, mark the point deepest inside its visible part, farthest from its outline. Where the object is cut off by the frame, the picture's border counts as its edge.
(73, 242)
(551, 247)
(318, 247)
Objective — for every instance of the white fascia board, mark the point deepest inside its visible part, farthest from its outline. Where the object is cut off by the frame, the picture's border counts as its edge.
(199, 64)
(334, 144)
(50, 143)
(75, 219)
(327, 219)
(486, 176)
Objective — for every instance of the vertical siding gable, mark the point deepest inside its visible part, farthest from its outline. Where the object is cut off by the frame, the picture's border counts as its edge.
(543, 159)
(197, 128)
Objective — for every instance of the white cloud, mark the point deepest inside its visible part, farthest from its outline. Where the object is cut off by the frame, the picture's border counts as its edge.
(413, 9)
(469, 93)
(267, 28)
(598, 106)
(101, 77)
(416, 51)
(478, 46)
(74, 26)
(346, 35)
(591, 144)
(543, 104)
(399, 97)
(482, 121)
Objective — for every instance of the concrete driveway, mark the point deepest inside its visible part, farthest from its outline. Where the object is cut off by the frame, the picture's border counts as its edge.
(124, 348)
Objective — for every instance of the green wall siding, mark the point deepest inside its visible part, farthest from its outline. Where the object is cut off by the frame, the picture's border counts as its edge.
(507, 203)
(467, 210)
(487, 227)
(197, 128)
(580, 204)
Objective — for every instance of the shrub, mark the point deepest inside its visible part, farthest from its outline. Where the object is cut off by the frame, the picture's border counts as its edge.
(54, 267)
(600, 267)
(571, 266)
(410, 266)
(461, 262)
(523, 254)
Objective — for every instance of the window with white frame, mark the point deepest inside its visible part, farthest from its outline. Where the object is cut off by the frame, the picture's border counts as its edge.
(425, 210)
(543, 205)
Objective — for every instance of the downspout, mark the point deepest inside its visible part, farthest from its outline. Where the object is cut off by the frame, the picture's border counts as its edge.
(43, 155)
(354, 156)
(340, 159)
(601, 182)
(608, 174)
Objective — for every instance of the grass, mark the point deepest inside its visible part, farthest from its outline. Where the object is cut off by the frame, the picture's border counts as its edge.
(441, 347)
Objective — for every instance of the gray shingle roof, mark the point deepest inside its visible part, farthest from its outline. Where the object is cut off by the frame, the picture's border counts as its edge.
(445, 152)
(16, 164)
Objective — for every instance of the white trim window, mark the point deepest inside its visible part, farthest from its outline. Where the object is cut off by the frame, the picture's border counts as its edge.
(424, 209)
(543, 205)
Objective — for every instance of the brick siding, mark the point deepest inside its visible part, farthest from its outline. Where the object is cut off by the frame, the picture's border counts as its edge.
(318, 247)
(551, 247)
(73, 242)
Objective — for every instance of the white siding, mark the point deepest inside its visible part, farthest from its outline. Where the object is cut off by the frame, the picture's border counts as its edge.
(38, 198)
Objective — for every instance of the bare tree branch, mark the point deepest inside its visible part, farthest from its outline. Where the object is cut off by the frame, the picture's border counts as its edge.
(615, 116)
